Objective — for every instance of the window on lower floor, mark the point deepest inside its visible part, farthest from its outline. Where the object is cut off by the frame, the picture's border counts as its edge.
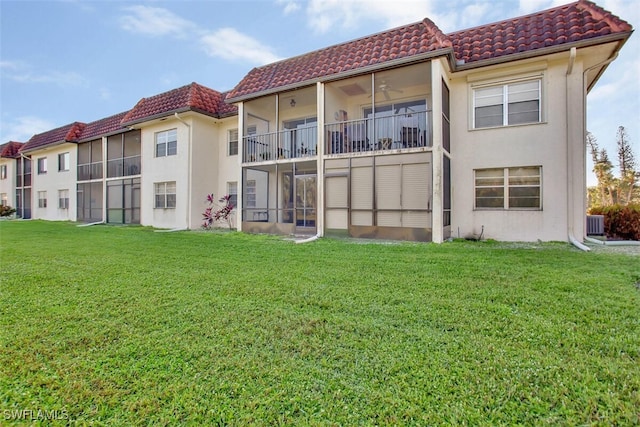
(42, 199)
(508, 188)
(507, 104)
(3, 171)
(63, 162)
(42, 165)
(165, 195)
(63, 199)
(4, 200)
(233, 142)
(232, 191)
(167, 143)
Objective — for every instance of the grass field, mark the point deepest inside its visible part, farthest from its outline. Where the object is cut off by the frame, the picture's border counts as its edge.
(124, 326)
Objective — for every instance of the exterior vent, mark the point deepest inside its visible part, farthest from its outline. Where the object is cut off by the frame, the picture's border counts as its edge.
(595, 225)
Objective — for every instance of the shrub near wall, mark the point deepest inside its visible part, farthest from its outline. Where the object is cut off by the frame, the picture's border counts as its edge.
(620, 222)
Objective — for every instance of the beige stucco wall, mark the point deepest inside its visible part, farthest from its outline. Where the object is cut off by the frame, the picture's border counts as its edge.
(200, 167)
(8, 185)
(164, 169)
(226, 166)
(543, 144)
(53, 181)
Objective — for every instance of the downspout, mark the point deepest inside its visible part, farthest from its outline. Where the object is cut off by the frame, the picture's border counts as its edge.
(572, 238)
(570, 184)
(189, 170)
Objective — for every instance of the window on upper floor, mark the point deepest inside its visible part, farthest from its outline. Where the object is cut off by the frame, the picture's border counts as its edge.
(63, 162)
(167, 143)
(165, 195)
(3, 171)
(42, 199)
(508, 188)
(507, 104)
(233, 142)
(42, 165)
(63, 199)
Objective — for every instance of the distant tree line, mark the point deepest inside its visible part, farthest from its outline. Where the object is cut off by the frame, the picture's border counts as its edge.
(611, 190)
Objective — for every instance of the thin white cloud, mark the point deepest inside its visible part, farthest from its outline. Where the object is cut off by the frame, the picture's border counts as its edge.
(232, 45)
(21, 72)
(155, 22)
(326, 15)
(290, 6)
(23, 128)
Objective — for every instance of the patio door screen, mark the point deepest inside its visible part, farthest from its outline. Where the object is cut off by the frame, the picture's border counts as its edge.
(391, 191)
(403, 195)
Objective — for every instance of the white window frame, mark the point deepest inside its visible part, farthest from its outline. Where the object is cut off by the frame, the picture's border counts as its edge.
(3, 171)
(505, 91)
(164, 195)
(63, 199)
(63, 162)
(511, 183)
(232, 190)
(166, 143)
(42, 165)
(42, 199)
(4, 199)
(232, 142)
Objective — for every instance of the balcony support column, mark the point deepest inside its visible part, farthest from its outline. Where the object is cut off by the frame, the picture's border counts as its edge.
(437, 214)
(320, 150)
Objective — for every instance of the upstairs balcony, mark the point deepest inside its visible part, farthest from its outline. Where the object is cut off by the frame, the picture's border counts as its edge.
(125, 166)
(286, 144)
(389, 132)
(89, 171)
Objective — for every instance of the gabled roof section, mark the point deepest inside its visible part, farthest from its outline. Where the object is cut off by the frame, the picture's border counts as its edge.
(68, 133)
(11, 149)
(582, 22)
(575, 22)
(102, 127)
(192, 97)
(410, 40)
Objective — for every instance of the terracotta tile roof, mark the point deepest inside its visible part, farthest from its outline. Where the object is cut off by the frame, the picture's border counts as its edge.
(578, 21)
(68, 133)
(573, 22)
(409, 40)
(10, 149)
(102, 127)
(192, 97)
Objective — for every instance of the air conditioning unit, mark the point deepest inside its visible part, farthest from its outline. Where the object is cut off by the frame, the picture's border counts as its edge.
(595, 225)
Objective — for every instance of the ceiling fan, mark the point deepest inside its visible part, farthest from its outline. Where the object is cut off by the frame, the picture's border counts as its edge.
(385, 88)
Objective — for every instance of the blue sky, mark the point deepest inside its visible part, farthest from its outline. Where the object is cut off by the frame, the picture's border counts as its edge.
(66, 61)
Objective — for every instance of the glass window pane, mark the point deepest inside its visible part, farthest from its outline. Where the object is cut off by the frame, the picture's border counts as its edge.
(488, 96)
(489, 116)
(524, 112)
(526, 91)
(172, 148)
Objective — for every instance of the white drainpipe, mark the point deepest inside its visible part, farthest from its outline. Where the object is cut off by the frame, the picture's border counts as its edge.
(190, 164)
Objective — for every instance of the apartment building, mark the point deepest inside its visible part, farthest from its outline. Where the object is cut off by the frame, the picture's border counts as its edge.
(409, 133)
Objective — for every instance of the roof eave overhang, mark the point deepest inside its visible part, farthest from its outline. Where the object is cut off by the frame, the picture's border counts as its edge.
(46, 146)
(543, 51)
(103, 135)
(166, 114)
(408, 60)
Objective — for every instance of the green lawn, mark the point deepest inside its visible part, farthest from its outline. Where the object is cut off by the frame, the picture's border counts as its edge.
(122, 325)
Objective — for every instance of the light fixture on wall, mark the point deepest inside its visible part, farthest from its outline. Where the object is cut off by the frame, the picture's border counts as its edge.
(292, 103)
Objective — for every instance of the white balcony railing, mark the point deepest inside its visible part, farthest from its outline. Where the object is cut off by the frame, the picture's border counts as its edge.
(286, 144)
(397, 131)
